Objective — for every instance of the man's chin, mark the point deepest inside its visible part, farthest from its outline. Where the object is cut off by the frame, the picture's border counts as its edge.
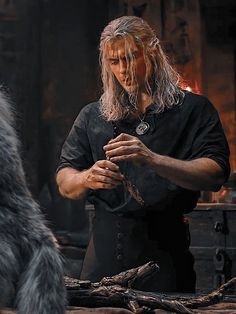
(131, 89)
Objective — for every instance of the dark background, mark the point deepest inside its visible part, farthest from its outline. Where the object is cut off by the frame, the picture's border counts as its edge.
(49, 68)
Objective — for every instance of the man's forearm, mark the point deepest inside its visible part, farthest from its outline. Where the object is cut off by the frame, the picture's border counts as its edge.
(71, 183)
(197, 174)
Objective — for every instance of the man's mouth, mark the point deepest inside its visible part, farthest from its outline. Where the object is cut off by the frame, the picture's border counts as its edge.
(126, 81)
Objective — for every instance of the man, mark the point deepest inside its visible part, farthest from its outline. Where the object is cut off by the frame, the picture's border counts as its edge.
(141, 154)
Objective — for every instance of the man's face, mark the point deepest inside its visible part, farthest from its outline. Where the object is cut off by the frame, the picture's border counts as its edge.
(130, 71)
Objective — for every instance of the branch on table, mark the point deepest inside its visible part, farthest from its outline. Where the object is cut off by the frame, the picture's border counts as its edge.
(119, 291)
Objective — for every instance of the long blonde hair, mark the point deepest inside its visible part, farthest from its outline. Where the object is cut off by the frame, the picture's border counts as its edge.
(164, 88)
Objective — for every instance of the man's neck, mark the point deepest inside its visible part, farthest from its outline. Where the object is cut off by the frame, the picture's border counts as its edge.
(144, 100)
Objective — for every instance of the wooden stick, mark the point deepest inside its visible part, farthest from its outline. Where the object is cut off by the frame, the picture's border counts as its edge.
(116, 291)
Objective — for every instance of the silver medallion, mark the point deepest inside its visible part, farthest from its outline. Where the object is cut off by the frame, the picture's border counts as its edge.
(142, 128)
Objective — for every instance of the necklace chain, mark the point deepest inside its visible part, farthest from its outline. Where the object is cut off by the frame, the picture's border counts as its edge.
(141, 129)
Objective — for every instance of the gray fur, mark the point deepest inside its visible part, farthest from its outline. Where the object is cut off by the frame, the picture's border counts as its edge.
(31, 271)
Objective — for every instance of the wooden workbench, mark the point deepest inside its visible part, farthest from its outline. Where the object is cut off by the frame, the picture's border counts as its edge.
(221, 308)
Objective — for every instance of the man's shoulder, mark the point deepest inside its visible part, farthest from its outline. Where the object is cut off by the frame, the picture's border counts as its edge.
(200, 107)
(197, 102)
(89, 111)
(195, 99)
(91, 108)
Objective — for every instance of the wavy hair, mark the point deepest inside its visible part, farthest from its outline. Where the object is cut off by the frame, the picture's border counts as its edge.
(163, 86)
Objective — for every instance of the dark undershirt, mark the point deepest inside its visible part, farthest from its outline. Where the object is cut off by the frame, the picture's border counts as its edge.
(187, 131)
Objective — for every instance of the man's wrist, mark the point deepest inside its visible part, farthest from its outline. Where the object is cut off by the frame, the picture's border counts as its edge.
(83, 177)
(154, 159)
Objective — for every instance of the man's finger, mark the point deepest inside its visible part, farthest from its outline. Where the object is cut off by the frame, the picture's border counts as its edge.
(133, 156)
(121, 137)
(122, 150)
(107, 180)
(117, 144)
(113, 174)
(107, 164)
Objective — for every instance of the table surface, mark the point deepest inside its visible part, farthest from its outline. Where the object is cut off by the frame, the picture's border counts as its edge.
(220, 308)
(211, 206)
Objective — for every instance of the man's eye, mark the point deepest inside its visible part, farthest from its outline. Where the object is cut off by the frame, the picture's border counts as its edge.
(114, 62)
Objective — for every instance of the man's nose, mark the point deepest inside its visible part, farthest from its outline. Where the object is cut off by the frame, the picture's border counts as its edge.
(123, 67)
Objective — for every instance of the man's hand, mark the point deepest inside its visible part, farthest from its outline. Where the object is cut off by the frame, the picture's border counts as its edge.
(127, 147)
(197, 174)
(74, 184)
(104, 174)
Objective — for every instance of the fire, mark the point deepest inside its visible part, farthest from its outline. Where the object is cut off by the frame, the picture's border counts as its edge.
(189, 88)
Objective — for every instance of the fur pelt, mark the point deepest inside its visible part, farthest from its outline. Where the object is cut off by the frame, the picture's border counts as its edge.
(31, 271)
